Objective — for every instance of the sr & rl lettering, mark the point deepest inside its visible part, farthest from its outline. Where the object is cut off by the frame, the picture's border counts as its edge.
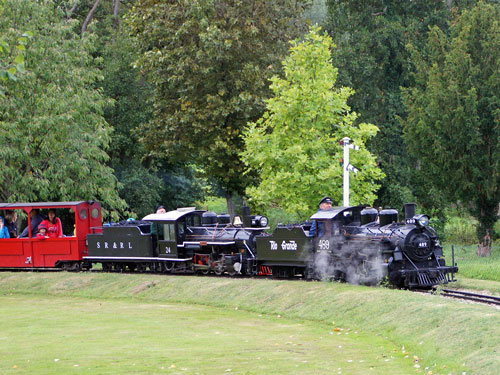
(114, 245)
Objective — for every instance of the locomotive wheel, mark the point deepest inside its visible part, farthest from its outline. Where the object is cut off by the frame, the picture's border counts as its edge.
(76, 267)
(106, 267)
(161, 267)
(131, 267)
(169, 266)
(72, 266)
(205, 272)
(218, 271)
(119, 267)
(140, 267)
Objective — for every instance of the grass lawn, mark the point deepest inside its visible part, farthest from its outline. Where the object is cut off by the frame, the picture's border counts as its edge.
(472, 266)
(61, 335)
(106, 323)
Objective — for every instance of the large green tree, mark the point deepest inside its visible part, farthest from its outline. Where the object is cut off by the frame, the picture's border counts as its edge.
(453, 123)
(372, 57)
(294, 147)
(54, 136)
(209, 62)
(11, 55)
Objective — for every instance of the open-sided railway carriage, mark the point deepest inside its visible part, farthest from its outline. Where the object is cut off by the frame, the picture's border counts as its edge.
(66, 252)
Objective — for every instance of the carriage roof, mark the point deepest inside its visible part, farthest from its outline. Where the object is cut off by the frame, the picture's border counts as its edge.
(173, 215)
(14, 206)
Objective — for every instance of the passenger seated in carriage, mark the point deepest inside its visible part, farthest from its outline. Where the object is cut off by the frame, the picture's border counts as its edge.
(4, 232)
(36, 219)
(53, 225)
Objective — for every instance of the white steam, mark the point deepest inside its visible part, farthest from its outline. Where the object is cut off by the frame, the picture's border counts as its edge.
(355, 262)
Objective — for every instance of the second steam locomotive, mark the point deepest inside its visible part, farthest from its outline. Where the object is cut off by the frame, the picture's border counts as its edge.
(357, 244)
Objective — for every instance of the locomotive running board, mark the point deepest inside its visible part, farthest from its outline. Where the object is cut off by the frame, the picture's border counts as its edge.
(137, 258)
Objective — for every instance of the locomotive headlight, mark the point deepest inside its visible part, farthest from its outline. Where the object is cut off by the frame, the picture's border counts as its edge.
(422, 220)
(259, 221)
(263, 221)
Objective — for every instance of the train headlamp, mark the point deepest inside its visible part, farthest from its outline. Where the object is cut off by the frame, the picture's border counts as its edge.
(263, 221)
(259, 221)
(422, 220)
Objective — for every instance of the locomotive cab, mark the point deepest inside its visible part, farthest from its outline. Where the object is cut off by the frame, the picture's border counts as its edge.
(170, 230)
(333, 223)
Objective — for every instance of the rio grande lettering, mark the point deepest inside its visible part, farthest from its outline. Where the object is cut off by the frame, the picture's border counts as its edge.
(290, 246)
(285, 245)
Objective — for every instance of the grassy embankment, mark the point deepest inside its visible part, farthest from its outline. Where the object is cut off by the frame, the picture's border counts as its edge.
(447, 336)
(473, 266)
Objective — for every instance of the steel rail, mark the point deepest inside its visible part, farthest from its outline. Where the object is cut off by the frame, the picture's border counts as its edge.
(492, 300)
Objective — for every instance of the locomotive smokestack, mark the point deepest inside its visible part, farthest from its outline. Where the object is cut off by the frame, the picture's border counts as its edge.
(409, 210)
(247, 219)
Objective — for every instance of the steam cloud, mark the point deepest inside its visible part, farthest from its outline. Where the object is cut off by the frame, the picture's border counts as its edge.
(355, 262)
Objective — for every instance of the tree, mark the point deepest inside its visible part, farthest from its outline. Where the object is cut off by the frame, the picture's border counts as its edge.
(294, 147)
(209, 62)
(54, 135)
(372, 57)
(453, 123)
(11, 55)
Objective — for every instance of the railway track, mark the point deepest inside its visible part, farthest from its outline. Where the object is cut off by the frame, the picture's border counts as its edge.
(480, 298)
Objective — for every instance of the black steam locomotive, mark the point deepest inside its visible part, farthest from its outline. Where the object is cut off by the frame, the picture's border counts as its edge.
(356, 244)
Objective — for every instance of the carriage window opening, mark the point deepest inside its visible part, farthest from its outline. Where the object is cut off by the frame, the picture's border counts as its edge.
(83, 213)
(95, 213)
(159, 231)
(324, 228)
(169, 231)
(180, 229)
(348, 217)
(196, 221)
(165, 231)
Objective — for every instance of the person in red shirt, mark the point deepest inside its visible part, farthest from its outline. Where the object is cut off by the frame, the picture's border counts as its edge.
(42, 231)
(53, 224)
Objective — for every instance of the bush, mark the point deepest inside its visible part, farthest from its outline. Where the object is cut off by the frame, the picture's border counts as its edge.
(461, 230)
(215, 204)
(279, 216)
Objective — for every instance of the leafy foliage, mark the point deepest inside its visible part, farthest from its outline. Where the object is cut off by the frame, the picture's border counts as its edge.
(209, 63)
(453, 124)
(54, 134)
(372, 57)
(294, 147)
(12, 52)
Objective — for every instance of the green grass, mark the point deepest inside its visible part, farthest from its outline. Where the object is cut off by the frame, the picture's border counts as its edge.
(87, 336)
(472, 266)
(448, 336)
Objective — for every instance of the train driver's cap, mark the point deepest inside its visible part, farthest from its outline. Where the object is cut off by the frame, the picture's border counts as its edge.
(326, 200)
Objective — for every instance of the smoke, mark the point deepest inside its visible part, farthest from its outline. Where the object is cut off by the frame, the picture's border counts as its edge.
(357, 262)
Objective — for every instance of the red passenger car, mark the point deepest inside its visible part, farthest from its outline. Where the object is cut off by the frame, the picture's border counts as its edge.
(78, 220)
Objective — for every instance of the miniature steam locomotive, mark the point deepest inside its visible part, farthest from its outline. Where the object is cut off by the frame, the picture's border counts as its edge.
(357, 244)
